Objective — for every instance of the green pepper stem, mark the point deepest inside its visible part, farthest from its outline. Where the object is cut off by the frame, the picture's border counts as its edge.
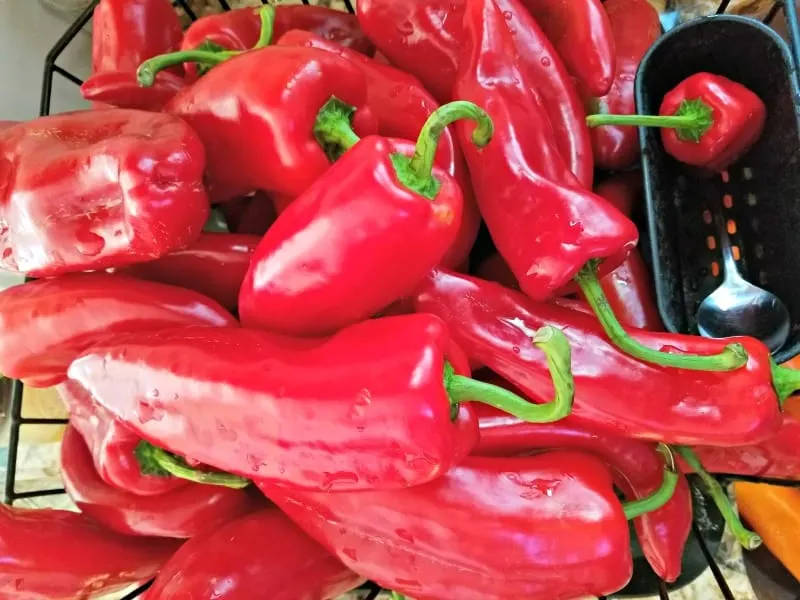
(396, 596)
(785, 380)
(333, 128)
(177, 467)
(732, 356)
(557, 350)
(692, 120)
(636, 508)
(748, 539)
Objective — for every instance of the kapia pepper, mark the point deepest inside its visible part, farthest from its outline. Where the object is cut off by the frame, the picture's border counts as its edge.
(214, 265)
(263, 555)
(312, 414)
(614, 391)
(707, 121)
(406, 212)
(636, 27)
(73, 311)
(96, 189)
(63, 554)
(541, 527)
(124, 34)
(402, 106)
(182, 513)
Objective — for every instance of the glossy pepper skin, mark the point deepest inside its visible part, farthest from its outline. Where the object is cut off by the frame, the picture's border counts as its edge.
(636, 27)
(74, 311)
(62, 554)
(214, 265)
(581, 32)
(402, 106)
(124, 34)
(183, 513)
(613, 391)
(530, 201)
(636, 467)
(310, 414)
(268, 143)
(126, 186)
(308, 274)
(506, 528)
(262, 555)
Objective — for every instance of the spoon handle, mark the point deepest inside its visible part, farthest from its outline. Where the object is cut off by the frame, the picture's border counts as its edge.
(728, 260)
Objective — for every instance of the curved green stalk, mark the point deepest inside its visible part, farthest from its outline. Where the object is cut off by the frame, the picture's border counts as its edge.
(785, 380)
(333, 128)
(691, 121)
(157, 461)
(636, 508)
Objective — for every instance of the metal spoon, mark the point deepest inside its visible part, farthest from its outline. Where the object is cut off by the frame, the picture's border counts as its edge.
(737, 307)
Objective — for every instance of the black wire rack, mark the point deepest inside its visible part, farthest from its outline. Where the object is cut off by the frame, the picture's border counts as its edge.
(699, 537)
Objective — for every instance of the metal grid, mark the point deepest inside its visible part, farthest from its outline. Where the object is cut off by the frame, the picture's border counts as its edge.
(17, 421)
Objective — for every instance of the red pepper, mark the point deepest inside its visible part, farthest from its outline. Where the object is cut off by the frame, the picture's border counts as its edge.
(62, 554)
(72, 312)
(182, 513)
(251, 215)
(402, 106)
(546, 526)
(581, 32)
(637, 468)
(307, 275)
(215, 265)
(614, 391)
(124, 34)
(311, 414)
(636, 27)
(708, 121)
(270, 557)
(90, 190)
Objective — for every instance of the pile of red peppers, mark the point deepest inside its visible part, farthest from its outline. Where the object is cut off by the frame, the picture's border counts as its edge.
(339, 388)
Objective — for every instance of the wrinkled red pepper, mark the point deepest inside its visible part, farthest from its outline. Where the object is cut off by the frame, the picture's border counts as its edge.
(124, 34)
(270, 558)
(613, 390)
(215, 266)
(398, 201)
(182, 513)
(90, 190)
(636, 27)
(72, 312)
(540, 527)
(62, 554)
(310, 414)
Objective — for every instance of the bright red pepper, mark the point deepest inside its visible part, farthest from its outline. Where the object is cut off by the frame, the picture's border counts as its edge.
(51, 554)
(263, 555)
(72, 312)
(182, 513)
(613, 390)
(581, 32)
(546, 526)
(215, 265)
(124, 34)
(402, 106)
(95, 189)
(636, 27)
(310, 414)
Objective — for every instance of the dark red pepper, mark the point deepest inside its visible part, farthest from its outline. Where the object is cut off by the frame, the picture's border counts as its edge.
(215, 265)
(182, 513)
(262, 555)
(250, 215)
(311, 414)
(89, 190)
(62, 554)
(74, 311)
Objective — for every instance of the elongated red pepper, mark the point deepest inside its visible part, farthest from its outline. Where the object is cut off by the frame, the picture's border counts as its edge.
(636, 27)
(215, 265)
(310, 414)
(73, 311)
(613, 390)
(402, 106)
(707, 121)
(398, 201)
(270, 558)
(546, 526)
(124, 34)
(97, 189)
(62, 554)
(182, 513)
